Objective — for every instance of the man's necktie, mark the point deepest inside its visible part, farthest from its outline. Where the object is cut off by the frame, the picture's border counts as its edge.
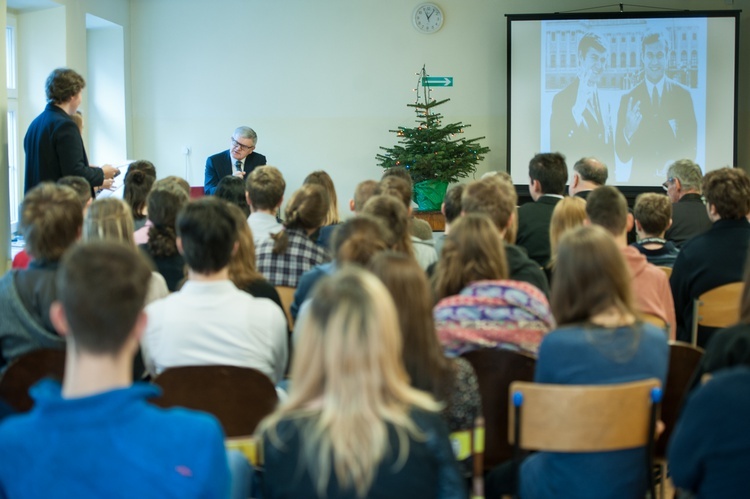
(655, 98)
(238, 165)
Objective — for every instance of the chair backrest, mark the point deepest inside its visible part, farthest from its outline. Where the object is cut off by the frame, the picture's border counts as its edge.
(717, 307)
(655, 320)
(582, 418)
(667, 270)
(495, 370)
(239, 397)
(286, 295)
(26, 370)
(683, 360)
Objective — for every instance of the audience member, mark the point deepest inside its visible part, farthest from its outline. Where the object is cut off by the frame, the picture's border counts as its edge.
(232, 190)
(709, 452)
(548, 175)
(77, 118)
(607, 207)
(424, 247)
(332, 219)
(242, 270)
(176, 185)
(683, 186)
(209, 321)
(139, 180)
(598, 341)
(653, 216)
(451, 210)
(264, 191)
(497, 199)
(239, 160)
(164, 203)
(362, 193)
(568, 214)
(290, 252)
(479, 307)
(97, 435)
(730, 346)
(82, 188)
(450, 381)
(51, 219)
(715, 257)
(419, 228)
(53, 143)
(392, 213)
(353, 427)
(355, 241)
(588, 174)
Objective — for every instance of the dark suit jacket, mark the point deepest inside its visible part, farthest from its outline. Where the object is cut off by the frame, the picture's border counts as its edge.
(220, 165)
(594, 137)
(54, 149)
(667, 132)
(533, 228)
(711, 259)
(689, 218)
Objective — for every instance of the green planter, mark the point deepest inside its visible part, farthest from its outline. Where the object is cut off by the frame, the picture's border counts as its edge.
(429, 194)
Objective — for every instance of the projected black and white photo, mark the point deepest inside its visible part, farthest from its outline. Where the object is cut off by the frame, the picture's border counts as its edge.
(630, 92)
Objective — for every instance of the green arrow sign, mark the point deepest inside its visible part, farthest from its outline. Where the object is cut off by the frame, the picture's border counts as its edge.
(437, 81)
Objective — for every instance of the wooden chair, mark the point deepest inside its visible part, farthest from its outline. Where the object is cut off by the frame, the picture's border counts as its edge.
(286, 294)
(470, 443)
(718, 307)
(667, 270)
(239, 397)
(495, 370)
(26, 370)
(584, 418)
(683, 360)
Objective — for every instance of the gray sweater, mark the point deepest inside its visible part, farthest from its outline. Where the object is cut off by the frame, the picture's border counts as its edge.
(20, 331)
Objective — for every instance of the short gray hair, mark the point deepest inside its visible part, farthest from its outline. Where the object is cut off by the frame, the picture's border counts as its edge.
(688, 172)
(591, 170)
(246, 133)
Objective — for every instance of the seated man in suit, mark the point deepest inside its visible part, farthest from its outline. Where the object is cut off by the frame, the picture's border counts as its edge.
(588, 174)
(689, 216)
(548, 175)
(240, 159)
(607, 207)
(717, 256)
(123, 445)
(51, 221)
(497, 199)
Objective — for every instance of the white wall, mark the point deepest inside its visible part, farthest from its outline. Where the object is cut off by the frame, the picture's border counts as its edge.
(321, 82)
(4, 207)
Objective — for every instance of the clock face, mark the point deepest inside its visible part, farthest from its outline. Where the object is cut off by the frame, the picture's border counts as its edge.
(427, 18)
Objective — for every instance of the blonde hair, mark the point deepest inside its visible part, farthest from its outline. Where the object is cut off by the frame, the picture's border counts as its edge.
(569, 213)
(473, 251)
(306, 210)
(350, 384)
(321, 178)
(109, 219)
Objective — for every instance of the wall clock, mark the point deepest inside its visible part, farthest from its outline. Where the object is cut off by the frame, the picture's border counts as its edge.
(427, 18)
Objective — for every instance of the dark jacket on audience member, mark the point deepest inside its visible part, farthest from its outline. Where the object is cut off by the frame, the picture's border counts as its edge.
(728, 347)
(523, 268)
(661, 257)
(712, 259)
(533, 228)
(689, 218)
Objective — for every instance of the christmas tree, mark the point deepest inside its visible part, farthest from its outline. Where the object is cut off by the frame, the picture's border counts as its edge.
(431, 150)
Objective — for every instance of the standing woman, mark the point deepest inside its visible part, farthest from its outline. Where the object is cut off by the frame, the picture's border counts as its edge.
(599, 340)
(451, 381)
(353, 427)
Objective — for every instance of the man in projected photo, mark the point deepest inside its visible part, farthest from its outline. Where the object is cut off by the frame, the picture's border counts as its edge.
(580, 125)
(656, 120)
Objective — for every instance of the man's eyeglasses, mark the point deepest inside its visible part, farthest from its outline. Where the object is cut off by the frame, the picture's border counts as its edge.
(242, 147)
(665, 185)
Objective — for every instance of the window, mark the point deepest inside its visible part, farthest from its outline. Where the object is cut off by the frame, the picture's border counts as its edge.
(14, 190)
